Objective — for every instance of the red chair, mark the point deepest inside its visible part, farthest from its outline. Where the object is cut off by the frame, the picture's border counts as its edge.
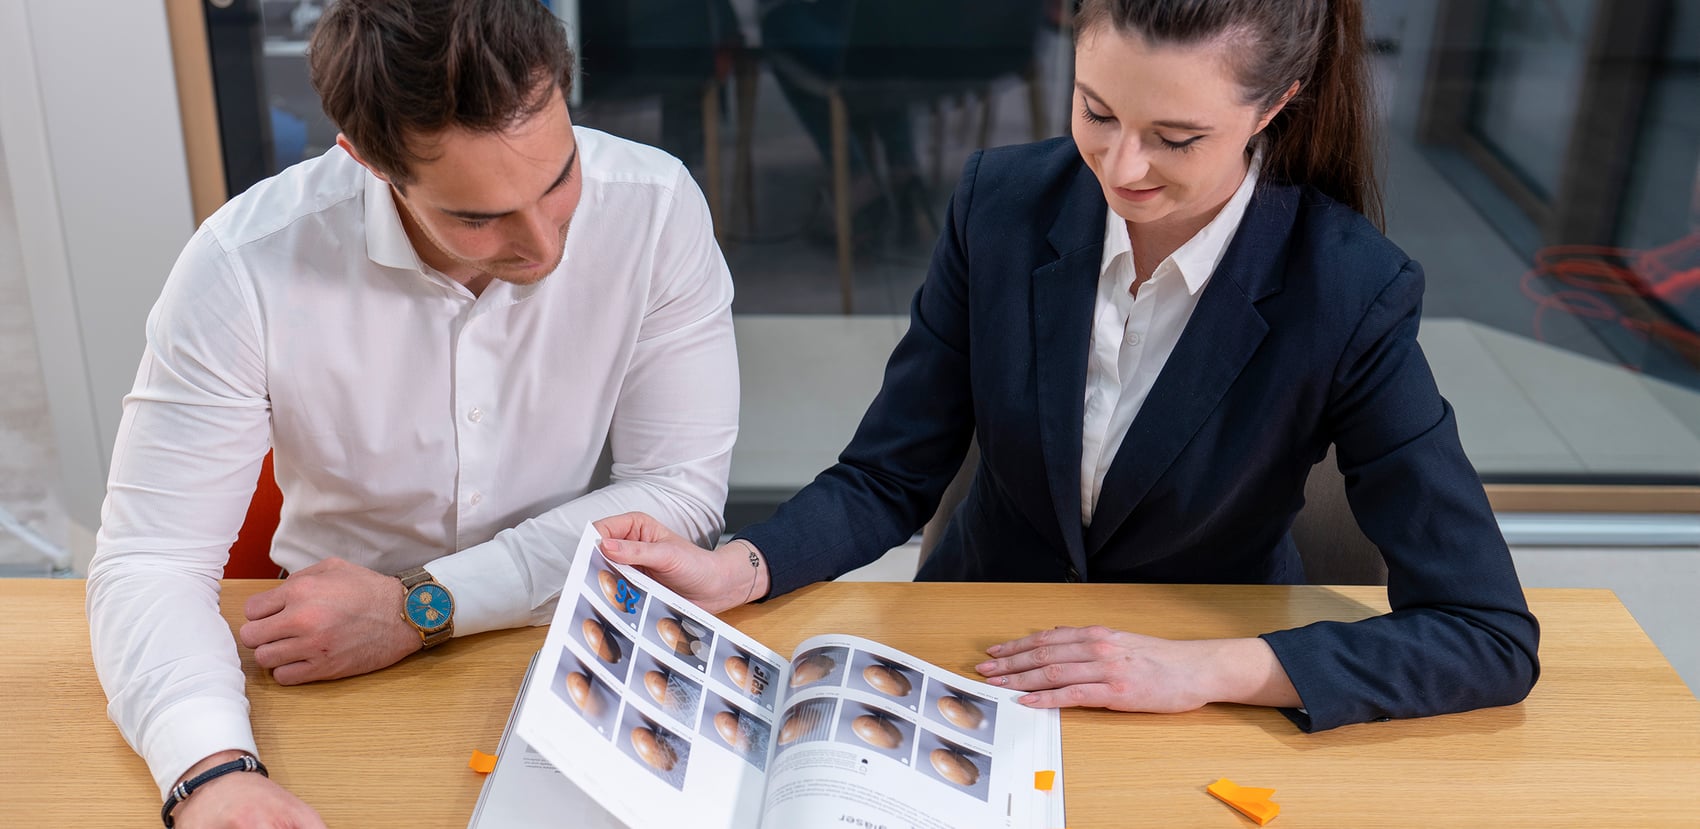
(250, 556)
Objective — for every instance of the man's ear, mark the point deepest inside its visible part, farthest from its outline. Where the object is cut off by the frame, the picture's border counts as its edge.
(348, 147)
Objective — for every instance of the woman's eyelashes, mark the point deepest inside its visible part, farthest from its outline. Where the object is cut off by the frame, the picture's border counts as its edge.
(1178, 146)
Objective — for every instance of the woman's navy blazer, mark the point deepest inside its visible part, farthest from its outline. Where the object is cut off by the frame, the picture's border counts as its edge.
(1306, 335)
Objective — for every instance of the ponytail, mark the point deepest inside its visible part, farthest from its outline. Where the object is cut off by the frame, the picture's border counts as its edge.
(1324, 136)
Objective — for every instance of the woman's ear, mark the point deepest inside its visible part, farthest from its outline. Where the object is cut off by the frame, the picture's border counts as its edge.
(1275, 110)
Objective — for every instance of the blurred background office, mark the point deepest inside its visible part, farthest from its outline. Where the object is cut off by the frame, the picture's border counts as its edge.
(1542, 160)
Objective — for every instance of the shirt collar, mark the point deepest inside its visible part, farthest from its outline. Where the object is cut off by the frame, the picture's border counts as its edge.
(1198, 258)
(386, 240)
(387, 245)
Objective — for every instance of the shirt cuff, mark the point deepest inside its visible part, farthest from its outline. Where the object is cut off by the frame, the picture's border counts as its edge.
(489, 589)
(191, 731)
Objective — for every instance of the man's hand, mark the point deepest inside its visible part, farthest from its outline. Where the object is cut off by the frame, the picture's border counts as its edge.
(242, 800)
(715, 580)
(1098, 667)
(328, 621)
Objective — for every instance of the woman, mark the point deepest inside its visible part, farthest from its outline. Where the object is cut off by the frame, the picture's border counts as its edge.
(1155, 330)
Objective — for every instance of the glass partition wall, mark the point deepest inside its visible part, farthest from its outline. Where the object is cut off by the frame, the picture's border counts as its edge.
(1542, 159)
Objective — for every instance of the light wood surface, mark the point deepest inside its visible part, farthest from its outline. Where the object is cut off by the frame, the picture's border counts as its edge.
(1610, 736)
(1581, 498)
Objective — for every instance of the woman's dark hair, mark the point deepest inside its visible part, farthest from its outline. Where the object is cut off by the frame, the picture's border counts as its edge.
(388, 71)
(1323, 137)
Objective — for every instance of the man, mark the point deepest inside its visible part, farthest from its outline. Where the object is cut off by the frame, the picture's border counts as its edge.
(438, 326)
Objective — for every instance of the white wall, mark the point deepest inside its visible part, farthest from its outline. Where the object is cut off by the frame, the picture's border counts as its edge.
(94, 152)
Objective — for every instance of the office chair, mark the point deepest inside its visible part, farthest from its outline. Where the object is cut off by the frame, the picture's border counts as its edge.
(641, 49)
(1332, 548)
(903, 52)
(251, 555)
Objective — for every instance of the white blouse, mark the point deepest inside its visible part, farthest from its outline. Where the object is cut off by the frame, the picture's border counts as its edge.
(1133, 335)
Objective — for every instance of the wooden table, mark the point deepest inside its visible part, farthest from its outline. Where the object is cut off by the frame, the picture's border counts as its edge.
(1610, 736)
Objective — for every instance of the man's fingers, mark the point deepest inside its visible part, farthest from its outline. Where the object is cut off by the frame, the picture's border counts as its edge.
(261, 605)
(296, 673)
(273, 655)
(257, 633)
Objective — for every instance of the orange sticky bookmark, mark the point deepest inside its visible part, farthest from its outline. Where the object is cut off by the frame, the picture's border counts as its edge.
(1044, 780)
(1253, 803)
(481, 762)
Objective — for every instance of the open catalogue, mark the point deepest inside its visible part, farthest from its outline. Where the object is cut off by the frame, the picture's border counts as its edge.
(667, 716)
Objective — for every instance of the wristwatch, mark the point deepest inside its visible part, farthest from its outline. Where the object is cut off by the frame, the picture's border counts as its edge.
(429, 607)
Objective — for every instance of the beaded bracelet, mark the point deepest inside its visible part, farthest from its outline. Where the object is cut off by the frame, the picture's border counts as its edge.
(181, 791)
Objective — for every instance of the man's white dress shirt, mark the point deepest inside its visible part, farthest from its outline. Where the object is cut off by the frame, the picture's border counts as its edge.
(1134, 335)
(413, 422)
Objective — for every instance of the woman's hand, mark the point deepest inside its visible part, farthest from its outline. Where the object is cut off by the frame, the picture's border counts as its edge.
(715, 580)
(1102, 668)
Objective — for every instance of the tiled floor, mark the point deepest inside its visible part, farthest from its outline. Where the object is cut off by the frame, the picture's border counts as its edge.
(1526, 407)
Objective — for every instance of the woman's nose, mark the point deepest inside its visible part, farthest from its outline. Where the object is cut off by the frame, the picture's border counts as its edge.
(1127, 163)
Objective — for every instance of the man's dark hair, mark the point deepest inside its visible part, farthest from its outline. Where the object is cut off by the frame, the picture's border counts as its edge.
(390, 71)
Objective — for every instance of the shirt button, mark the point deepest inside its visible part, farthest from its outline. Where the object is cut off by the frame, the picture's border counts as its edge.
(1133, 338)
(476, 499)
(475, 415)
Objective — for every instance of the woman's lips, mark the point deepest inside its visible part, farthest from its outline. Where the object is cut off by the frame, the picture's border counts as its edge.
(1138, 195)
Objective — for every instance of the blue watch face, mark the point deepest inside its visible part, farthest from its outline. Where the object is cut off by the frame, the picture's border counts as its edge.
(429, 606)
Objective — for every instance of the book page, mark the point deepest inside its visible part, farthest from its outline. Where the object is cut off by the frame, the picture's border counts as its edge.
(658, 710)
(525, 792)
(872, 737)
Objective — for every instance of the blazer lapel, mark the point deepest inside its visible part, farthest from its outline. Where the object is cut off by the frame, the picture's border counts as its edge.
(1064, 291)
(1223, 334)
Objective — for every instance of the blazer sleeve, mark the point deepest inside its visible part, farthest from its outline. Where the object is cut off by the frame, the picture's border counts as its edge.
(910, 443)
(1460, 635)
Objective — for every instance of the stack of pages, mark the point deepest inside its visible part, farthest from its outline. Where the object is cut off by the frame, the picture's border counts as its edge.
(656, 713)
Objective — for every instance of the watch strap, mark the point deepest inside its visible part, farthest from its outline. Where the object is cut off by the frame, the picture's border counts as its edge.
(415, 577)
